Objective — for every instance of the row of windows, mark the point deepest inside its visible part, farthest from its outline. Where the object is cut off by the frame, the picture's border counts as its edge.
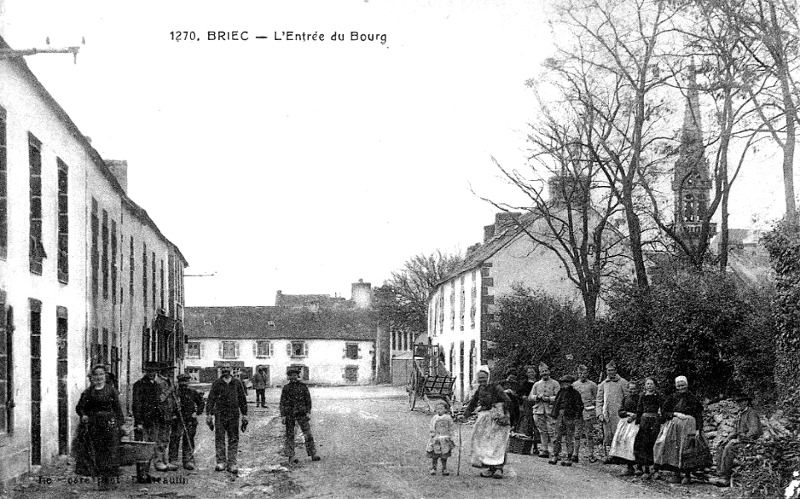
(436, 314)
(36, 252)
(229, 349)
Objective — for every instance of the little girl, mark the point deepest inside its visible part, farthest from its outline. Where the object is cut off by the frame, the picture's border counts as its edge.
(441, 443)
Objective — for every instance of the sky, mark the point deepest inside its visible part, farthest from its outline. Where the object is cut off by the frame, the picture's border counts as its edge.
(303, 166)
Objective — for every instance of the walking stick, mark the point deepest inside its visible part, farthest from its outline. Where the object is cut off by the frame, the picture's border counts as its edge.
(458, 466)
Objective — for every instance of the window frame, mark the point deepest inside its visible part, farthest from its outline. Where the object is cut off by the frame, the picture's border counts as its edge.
(189, 346)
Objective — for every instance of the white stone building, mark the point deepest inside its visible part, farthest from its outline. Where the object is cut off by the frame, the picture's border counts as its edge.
(85, 275)
(333, 346)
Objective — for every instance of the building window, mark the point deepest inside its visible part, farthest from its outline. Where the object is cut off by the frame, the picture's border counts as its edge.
(172, 270)
(351, 351)
(5, 367)
(36, 252)
(263, 349)
(229, 350)
(303, 371)
(351, 374)
(473, 306)
(132, 265)
(3, 187)
(453, 305)
(144, 275)
(193, 350)
(104, 260)
(194, 373)
(153, 262)
(162, 286)
(462, 302)
(63, 221)
(113, 262)
(298, 349)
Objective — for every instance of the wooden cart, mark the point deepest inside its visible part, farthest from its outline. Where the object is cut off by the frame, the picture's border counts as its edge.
(426, 380)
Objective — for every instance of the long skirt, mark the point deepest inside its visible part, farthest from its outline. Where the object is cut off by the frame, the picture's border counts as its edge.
(97, 446)
(646, 439)
(679, 446)
(489, 441)
(526, 424)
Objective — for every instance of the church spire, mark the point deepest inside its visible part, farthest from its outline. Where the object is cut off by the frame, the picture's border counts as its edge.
(691, 182)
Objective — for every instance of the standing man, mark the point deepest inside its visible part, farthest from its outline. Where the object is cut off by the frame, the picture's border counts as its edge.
(526, 425)
(296, 408)
(225, 401)
(148, 419)
(610, 394)
(168, 404)
(543, 394)
(260, 385)
(588, 390)
(184, 427)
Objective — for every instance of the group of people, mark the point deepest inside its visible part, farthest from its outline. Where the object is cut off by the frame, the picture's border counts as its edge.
(648, 432)
(167, 416)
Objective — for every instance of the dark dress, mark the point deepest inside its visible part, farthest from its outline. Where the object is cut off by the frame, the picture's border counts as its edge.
(513, 408)
(649, 426)
(526, 425)
(97, 449)
(689, 404)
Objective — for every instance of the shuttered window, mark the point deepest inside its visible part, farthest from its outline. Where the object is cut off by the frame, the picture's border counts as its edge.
(193, 350)
(297, 349)
(263, 349)
(5, 393)
(63, 221)
(229, 349)
(351, 351)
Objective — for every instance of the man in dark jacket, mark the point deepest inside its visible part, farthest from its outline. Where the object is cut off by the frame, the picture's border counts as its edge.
(295, 407)
(150, 423)
(225, 401)
(567, 411)
(184, 427)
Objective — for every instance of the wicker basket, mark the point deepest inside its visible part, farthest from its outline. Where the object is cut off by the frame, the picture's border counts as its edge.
(131, 452)
(519, 445)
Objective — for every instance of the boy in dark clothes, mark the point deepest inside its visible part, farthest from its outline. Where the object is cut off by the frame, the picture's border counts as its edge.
(567, 411)
(295, 407)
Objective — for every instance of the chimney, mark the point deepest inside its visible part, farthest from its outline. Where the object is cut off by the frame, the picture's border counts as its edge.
(488, 233)
(504, 220)
(362, 294)
(120, 170)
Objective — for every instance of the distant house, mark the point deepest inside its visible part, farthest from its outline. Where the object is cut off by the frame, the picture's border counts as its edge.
(333, 345)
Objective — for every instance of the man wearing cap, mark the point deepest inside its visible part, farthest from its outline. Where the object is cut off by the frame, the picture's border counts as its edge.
(184, 427)
(295, 407)
(543, 394)
(588, 390)
(148, 419)
(567, 412)
(260, 385)
(610, 393)
(225, 401)
(746, 430)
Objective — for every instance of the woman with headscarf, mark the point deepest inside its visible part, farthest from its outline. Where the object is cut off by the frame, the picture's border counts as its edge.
(680, 445)
(490, 436)
(100, 429)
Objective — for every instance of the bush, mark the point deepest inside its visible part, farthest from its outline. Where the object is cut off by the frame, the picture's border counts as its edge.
(533, 327)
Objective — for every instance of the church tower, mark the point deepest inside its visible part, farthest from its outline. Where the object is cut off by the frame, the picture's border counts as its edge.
(691, 183)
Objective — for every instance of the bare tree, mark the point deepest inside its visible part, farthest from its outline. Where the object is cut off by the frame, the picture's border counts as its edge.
(623, 42)
(570, 208)
(403, 299)
(773, 32)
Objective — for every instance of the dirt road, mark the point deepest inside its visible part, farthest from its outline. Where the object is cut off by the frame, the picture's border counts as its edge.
(371, 446)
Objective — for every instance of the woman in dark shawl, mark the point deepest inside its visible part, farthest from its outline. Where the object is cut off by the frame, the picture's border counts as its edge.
(490, 436)
(649, 424)
(100, 429)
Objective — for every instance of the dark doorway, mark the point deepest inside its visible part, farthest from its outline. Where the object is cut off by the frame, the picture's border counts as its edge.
(36, 382)
(62, 371)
